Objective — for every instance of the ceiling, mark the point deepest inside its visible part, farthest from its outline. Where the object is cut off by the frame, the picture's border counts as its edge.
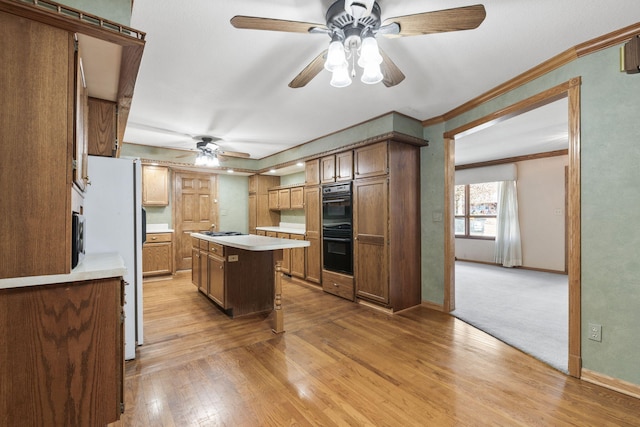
(201, 76)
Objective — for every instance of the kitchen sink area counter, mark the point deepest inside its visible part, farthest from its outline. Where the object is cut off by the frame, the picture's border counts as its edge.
(241, 273)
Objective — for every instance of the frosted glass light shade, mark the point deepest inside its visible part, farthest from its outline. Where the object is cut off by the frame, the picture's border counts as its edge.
(369, 52)
(340, 77)
(336, 56)
(372, 74)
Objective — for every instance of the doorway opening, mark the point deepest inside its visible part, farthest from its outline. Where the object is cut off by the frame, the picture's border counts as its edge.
(571, 91)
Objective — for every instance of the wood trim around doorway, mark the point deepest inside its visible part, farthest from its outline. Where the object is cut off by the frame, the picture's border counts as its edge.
(570, 90)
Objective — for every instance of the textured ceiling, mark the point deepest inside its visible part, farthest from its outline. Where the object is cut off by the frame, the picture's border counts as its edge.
(199, 75)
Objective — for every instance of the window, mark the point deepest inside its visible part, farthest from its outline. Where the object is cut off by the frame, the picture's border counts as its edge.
(476, 207)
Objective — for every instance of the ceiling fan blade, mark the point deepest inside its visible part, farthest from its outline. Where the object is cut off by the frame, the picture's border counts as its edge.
(310, 71)
(268, 24)
(440, 21)
(390, 71)
(232, 154)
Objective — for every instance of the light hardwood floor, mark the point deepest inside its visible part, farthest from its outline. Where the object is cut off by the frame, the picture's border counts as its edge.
(339, 363)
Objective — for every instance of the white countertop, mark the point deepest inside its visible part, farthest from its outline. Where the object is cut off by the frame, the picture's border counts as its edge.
(289, 230)
(92, 267)
(251, 242)
(159, 228)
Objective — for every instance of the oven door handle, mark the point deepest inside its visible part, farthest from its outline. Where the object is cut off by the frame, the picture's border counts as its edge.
(337, 239)
(336, 200)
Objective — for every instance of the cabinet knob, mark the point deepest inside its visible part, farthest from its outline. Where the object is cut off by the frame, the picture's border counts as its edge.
(154, 238)
(221, 267)
(336, 285)
(213, 249)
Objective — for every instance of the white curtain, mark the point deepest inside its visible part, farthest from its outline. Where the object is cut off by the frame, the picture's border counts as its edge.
(508, 249)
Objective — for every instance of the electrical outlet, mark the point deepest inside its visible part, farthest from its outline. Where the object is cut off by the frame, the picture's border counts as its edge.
(595, 332)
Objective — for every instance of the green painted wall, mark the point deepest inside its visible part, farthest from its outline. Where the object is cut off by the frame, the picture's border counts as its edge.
(610, 131)
(114, 10)
(233, 199)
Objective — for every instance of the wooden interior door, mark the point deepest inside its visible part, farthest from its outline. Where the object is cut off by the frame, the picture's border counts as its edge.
(195, 208)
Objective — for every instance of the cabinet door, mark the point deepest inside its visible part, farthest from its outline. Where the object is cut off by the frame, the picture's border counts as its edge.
(298, 258)
(253, 213)
(204, 272)
(102, 127)
(371, 160)
(286, 255)
(155, 185)
(156, 259)
(216, 280)
(195, 267)
(327, 169)
(344, 166)
(370, 224)
(253, 184)
(313, 265)
(273, 200)
(284, 199)
(81, 120)
(297, 198)
(312, 172)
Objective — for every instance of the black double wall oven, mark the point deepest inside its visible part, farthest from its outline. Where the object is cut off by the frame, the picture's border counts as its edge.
(337, 234)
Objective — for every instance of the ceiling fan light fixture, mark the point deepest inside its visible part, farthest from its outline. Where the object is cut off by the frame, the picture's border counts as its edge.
(369, 52)
(340, 77)
(372, 74)
(336, 56)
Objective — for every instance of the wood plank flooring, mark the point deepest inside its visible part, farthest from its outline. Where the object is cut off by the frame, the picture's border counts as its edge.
(339, 363)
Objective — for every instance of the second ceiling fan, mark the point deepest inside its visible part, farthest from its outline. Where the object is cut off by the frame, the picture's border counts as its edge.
(353, 26)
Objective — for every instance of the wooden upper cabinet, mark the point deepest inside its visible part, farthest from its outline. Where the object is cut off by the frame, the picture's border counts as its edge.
(336, 168)
(297, 198)
(102, 127)
(372, 160)
(312, 172)
(253, 184)
(344, 166)
(274, 199)
(284, 199)
(155, 185)
(328, 169)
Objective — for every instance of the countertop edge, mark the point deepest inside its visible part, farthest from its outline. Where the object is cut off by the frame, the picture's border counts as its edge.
(251, 242)
(287, 230)
(94, 266)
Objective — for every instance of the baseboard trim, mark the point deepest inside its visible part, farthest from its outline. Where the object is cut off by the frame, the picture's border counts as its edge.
(611, 383)
(520, 267)
(433, 306)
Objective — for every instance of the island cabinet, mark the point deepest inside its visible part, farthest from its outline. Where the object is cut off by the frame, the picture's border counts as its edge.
(298, 259)
(157, 255)
(238, 281)
(199, 265)
(62, 353)
(386, 223)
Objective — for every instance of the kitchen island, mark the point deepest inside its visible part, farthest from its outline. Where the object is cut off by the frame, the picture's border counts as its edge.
(242, 273)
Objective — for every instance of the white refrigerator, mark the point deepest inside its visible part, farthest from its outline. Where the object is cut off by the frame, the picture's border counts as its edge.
(113, 223)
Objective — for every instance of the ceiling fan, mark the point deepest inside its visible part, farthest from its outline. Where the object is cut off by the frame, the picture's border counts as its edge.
(210, 153)
(353, 26)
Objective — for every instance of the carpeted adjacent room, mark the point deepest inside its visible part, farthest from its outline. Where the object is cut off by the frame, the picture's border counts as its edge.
(526, 309)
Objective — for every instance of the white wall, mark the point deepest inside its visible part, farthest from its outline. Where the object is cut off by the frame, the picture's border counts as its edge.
(541, 209)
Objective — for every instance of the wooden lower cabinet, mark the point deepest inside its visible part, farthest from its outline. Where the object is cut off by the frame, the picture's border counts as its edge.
(286, 255)
(234, 279)
(62, 354)
(298, 259)
(157, 255)
(216, 278)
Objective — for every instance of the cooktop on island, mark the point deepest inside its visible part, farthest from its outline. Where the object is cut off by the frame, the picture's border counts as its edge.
(221, 233)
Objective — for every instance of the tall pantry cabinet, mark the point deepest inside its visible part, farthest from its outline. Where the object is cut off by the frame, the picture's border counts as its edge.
(386, 224)
(37, 81)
